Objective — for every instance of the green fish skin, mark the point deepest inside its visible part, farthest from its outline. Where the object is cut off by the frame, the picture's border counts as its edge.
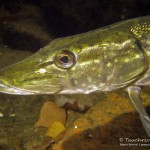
(104, 59)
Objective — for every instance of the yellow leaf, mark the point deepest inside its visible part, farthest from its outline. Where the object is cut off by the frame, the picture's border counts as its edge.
(49, 114)
(55, 129)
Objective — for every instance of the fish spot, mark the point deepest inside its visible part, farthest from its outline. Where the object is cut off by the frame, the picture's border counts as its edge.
(126, 60)
(121, 78)
(137, 56)
(89, 79)
(116, 60)
(73, 68)
(101, 84)
(99, 76)
(93, 69)
(75, 127)
(75, 82)
(40, 60)
(83, 85)
(108, 64)
(96, 61)
(1, 114)
(42, 70)
(132, 46)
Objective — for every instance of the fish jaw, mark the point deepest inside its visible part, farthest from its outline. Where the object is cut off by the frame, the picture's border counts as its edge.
(24, 87)
(14, 91)
(28, 78)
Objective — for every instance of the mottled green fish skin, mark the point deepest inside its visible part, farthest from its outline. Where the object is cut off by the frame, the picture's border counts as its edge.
(107, 59)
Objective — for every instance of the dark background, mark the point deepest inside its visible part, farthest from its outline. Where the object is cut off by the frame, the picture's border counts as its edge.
(67, 17)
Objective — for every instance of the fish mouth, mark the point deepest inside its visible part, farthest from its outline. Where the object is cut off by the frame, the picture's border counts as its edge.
(14, 90)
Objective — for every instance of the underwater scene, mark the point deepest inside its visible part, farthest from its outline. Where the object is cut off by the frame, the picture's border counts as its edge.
(74, 75)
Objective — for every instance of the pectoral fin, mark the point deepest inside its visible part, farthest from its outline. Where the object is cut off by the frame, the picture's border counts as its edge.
(134, 94)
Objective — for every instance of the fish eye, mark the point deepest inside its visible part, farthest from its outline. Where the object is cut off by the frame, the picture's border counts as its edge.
(65, 59)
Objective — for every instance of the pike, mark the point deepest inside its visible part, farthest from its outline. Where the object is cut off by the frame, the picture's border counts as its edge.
(105, 59)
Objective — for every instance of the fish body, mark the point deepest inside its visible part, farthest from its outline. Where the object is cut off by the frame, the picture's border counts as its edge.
(106, 59)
